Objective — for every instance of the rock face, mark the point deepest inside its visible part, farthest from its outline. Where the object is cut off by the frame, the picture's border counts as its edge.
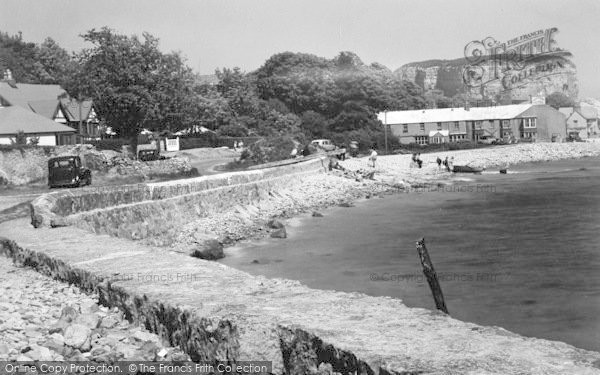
(540, 76)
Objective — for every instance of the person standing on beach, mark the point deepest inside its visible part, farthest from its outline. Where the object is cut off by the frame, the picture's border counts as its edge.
(447, 164)
(439, 163)
(419, 161)
(373, 157)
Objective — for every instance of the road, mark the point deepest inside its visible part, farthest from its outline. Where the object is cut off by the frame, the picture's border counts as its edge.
(14, 202)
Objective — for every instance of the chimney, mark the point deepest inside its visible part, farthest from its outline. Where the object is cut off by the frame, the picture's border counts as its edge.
(467, 105)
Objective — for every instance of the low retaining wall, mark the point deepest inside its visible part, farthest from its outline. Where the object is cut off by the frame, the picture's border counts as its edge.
(216, 313)
(138, 211)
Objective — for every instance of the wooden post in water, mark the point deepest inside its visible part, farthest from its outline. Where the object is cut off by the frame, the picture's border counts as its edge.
(431, 276)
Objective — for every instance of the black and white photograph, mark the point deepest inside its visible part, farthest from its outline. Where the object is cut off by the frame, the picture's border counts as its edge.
(290, 187)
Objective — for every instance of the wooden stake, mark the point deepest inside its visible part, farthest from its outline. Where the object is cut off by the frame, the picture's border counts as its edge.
(431, 276)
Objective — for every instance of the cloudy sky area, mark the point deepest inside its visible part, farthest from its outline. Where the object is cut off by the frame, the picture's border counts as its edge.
(228, 33)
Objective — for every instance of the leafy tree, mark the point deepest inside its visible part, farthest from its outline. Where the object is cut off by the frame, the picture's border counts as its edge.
(20, 138)
(47, 63)
(239, 90)
(233, 130)
(313, 124)
(558, 99)
(134, 85)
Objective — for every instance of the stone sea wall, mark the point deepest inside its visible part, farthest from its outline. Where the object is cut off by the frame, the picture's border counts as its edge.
(142, 210)
(216, 313)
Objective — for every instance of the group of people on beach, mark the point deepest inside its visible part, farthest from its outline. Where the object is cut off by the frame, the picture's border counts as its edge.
(416, 160)
(448, 164)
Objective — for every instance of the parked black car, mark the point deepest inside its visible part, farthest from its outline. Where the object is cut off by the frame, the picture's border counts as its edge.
(149, 155)
(68, 171)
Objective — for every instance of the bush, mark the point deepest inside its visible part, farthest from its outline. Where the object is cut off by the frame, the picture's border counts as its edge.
(207, 139)
(34, 141)
(114, 144)
(233, 130)
(20, 138)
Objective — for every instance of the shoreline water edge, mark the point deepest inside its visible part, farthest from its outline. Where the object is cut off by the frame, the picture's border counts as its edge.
(392, 174)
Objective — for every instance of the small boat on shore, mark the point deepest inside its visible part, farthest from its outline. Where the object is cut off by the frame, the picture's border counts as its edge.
(466, 169)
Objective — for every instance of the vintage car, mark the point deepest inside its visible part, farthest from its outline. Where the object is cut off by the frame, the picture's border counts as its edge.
(324, 144)
(148, 155)
(487, 139)
(68, 171)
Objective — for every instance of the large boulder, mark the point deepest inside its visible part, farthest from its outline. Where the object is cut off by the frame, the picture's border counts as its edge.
(275, 224)
(209, 250)
(279, 233)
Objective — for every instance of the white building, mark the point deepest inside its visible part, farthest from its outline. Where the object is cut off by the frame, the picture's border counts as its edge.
(15, 119)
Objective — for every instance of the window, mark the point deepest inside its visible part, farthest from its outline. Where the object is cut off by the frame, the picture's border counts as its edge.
(439, 126)
(506, 124)
(405, 128)
(529, 122)
(422, 127)
(458, 137)
(528, 135)
(456, 125)
(422, 140)
(478, 124)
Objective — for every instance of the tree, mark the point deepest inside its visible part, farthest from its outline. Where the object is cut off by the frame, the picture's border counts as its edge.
(46, 63)
(134, 85)
(313, 124)
(558, 99)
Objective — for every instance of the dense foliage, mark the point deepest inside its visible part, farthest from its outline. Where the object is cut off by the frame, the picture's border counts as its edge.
(293, 96)
(558, 100)
(46, 63)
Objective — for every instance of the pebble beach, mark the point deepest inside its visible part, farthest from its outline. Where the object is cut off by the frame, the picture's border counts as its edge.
(393, 173)
(42, 319)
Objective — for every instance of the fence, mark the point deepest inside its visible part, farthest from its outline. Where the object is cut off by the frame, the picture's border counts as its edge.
(201, 140)
(212, 140)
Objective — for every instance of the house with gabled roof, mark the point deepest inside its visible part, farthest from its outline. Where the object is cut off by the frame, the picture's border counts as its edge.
(516, 122)
(54, 103)
(15, 119)
(79, 115)
(582, 121)
(576, 123)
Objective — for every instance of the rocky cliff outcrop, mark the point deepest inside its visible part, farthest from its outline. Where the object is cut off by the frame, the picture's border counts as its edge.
(491, 79)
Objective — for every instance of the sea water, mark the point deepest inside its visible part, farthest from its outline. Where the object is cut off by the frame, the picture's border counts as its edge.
(520, 251)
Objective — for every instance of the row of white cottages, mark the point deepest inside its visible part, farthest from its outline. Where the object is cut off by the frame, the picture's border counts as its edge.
(517, 122)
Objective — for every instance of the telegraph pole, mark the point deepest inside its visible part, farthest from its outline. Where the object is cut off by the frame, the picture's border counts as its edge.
(385, 132)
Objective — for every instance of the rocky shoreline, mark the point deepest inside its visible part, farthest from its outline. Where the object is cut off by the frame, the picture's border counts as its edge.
(42, 319)
(393, 173)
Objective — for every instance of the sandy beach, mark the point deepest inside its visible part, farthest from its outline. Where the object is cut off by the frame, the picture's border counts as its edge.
(393, 173)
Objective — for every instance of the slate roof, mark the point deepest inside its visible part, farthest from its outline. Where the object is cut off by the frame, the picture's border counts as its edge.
(71, 109)
(503, 112)
(26, 93)
(588, 112)
(46, 108)
(14, 119)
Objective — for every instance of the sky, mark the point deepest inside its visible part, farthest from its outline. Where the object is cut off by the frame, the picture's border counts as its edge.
(244, 33)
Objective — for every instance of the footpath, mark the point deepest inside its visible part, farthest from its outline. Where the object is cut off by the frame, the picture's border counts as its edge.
(213, 312)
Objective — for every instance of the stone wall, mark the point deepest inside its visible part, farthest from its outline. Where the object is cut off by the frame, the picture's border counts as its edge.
(216, 313)
(142, 210)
